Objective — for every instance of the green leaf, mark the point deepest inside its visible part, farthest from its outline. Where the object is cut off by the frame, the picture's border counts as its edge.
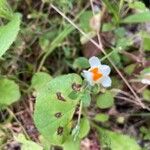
(146, 95)
(116, 141)
(9, 92)
(123, 43)
(84, 128)
(101, 117)
(27, 144)
(8, 33)
(115, 56)
(146, 40)
(39, 80)
(86, 98)
(138, 18)
(138, 6)
(70, 144)
(54, 108)
(46, 39)
(84, 21)
(107, 27)
(130, 69)
(81, 63)
(5, 10)
(105, 100)
(146, 71)
(146, 132)
(112, 8)
(146, 43)
(57, 40)
(120, 32)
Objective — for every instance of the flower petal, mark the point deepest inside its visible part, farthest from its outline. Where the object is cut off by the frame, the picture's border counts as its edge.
(88, 76)
(105, 70)
(106, 81)
(94, 61)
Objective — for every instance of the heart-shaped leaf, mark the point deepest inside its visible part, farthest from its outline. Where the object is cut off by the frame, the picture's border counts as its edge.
(54, 107)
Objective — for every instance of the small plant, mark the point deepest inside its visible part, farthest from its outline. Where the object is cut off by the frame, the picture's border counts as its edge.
(77, 76)
(60, 99)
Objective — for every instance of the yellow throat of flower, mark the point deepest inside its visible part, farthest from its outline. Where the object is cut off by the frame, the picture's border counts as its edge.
(96, 73)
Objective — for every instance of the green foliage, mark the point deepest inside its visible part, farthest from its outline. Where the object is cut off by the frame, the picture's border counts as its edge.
(39, 80)
(5, 10)
(130, 69)
(115, 56)
(146, 41)
(113, 8)
(9, 92)
(137, 5)
(8, 33)
(146, 95)
(81, 63)
(85, 26)
(58, 116)
(85, 21)
(86, 98)
(46, 39)
(145, 133)
(54, 108)
(101, 117)
(116, 141)
(108, 27)
(137, 18)
(70, 144)
(145, 70)
(27, 144)
(105, 100)
(84, 128)
(59, 38)
(120, 32)
(116, 83)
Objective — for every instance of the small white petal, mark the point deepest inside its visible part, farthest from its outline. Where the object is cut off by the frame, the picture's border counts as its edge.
(106, 81)
(94, 61)
(88, 76)
(105, 70)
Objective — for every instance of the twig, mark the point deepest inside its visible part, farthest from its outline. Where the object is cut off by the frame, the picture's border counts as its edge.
(23, 129)
(80, 112)
(99, 46)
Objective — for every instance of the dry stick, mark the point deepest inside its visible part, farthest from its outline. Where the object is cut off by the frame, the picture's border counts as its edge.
(99, 46)
(126, 82)
(128, 100)
(23, 129)
(45, 56)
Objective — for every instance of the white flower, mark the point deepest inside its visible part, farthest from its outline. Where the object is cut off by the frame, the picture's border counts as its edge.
(98, 73)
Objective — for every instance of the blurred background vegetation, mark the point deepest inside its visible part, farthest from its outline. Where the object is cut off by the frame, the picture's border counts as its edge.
(48, 43)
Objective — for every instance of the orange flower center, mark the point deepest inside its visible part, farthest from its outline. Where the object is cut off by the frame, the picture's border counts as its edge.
(96, 73)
